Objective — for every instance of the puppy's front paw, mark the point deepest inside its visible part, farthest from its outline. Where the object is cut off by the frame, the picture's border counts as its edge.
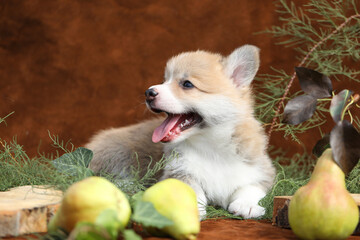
(246, 210)
(245, 202)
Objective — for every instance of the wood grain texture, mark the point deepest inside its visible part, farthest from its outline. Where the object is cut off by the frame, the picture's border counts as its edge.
(27, 209)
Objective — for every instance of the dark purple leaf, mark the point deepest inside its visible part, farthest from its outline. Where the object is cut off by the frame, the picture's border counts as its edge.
(299, 109)
(345, 145)
(321, 145)
(314, 83)
(338, 102)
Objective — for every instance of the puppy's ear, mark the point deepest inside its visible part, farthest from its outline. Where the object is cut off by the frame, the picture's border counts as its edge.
(242, 64)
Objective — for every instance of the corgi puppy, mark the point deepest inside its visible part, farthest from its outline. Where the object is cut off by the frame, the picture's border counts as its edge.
(220, 146)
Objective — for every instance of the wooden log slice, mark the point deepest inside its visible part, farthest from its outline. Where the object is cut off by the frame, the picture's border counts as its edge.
(27, 209)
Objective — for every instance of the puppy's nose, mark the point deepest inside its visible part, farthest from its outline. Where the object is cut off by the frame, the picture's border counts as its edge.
(151, 94)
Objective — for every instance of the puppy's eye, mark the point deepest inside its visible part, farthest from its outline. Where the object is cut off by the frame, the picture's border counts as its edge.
(187, 84)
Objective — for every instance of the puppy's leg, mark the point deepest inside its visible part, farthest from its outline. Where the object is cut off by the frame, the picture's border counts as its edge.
(245, 202)
(201, 199)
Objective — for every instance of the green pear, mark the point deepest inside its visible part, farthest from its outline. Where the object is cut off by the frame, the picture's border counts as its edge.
(323, 208)
(176, 201)
(85, 200)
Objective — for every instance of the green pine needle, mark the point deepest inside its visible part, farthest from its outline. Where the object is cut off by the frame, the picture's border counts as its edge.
(301, 29)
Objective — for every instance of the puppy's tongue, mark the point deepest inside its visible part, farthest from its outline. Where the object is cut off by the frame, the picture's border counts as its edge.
(161, 131)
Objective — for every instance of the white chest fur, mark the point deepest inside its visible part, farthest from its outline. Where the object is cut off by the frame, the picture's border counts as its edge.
(215, 166)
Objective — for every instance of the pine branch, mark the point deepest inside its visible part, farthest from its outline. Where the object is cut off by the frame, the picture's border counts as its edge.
(298, 23)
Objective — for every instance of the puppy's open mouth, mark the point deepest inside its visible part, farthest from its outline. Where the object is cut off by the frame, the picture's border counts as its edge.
(174, 125)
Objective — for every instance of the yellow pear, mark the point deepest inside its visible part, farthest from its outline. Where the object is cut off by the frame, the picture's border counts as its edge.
(176, 201)
(323, 208)
(86, 199)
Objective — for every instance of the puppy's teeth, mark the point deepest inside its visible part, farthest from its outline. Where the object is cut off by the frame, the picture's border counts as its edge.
(187, 122)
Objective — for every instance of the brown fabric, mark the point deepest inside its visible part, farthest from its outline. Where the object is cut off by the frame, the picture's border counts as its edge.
(225, 229)
(74, 67)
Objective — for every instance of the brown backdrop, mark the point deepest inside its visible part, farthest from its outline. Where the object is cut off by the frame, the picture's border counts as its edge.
(74, 67)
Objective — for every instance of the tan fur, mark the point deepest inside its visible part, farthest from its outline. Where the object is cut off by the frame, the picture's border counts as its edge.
(202, 68)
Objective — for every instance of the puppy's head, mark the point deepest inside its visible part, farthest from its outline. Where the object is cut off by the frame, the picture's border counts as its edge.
(203, 89)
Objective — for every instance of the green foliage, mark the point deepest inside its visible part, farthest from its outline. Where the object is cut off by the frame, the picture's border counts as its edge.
(338, 103)
(292, 173)
(91, 231)
(269, 91)
(2, 120)
(353, 180)
(146, 214)
(58, 235)
(315, 24)
(218, 212)
(305, 26)
(75, 163)
(106, 227)
(17, 169)
(110, 221)
(130, 234)
(313, 28)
